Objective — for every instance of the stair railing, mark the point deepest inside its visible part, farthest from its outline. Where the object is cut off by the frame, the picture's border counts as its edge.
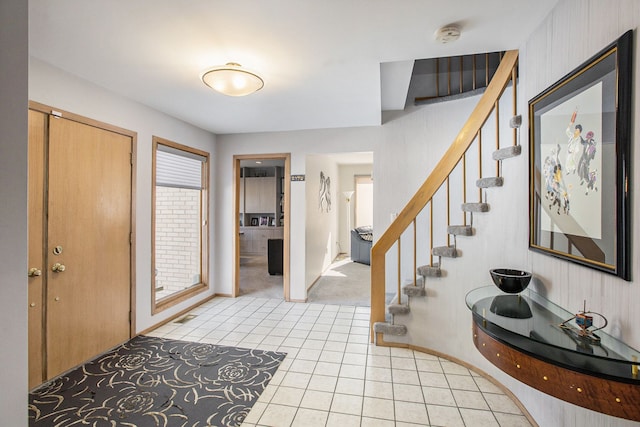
(447, 70)
(470, 132)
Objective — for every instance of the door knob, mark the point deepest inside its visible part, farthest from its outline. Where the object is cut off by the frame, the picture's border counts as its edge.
(58, 268)
(34, 272)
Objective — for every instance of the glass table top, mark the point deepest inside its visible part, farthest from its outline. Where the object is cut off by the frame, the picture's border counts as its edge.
(532, 324)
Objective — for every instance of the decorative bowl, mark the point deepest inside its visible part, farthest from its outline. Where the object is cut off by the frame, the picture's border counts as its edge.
(510, 281)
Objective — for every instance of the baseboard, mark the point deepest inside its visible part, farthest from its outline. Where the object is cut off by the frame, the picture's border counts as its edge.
(505, 390)
(320, 276)
(313, 284)
(178, 314)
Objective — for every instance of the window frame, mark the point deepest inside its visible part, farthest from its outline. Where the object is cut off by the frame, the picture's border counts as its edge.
(158, 305)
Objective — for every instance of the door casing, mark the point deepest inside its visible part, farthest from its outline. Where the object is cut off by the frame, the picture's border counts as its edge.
(287, 214)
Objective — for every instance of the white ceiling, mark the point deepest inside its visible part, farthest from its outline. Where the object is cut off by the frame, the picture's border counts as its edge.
(321, 60)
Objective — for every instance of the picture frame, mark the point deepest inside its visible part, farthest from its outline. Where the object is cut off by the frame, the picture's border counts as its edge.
(264, 221)
(579, 163)
(254, 222)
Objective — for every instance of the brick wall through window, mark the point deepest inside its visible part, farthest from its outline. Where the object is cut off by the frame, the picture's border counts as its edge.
(177, 239)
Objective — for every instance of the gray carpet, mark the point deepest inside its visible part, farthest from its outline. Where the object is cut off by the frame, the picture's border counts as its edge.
(344, 282)
(256, 281)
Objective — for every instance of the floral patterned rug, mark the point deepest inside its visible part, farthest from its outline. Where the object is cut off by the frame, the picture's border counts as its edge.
(157, 382)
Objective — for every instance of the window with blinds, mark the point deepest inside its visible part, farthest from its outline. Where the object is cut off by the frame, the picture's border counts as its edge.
(179, 169)
(180, 222)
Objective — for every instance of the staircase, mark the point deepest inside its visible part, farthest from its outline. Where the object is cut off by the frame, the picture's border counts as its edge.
(436, 194)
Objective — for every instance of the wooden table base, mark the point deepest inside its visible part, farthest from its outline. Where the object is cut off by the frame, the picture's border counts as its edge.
(609, 397)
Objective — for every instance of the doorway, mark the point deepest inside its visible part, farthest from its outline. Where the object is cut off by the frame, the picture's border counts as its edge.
(363, 200)
(80, 240)
(261, 231)
(340, 275)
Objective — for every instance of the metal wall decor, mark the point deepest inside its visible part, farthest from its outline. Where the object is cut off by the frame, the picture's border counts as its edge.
(324, 193)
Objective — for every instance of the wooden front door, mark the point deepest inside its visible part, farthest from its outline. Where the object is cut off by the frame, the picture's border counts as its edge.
(87, 243)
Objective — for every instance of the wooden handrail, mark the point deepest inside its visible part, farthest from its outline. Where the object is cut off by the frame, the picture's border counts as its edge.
(433, 182)
(480, 162)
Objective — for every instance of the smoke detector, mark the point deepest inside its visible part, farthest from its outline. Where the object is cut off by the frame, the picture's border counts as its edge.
(448, 34)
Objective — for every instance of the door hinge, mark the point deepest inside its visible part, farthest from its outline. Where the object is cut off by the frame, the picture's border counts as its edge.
(131, 158)
(130, 238)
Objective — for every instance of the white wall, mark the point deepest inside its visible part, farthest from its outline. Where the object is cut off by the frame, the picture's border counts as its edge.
(13, 211)
(573, 32)
(58, 89)
(321, 235)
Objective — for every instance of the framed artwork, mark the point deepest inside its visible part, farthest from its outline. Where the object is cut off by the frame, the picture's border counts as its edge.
(264, 221)
(579, 146)
(254, 222)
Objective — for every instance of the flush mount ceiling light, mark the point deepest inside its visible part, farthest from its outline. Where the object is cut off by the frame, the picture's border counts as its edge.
(448, 34)
(232, 80)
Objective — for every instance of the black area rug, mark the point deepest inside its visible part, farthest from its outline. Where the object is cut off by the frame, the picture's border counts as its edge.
(157, 382)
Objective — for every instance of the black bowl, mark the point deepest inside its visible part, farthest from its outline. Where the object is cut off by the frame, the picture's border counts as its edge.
(510, 281)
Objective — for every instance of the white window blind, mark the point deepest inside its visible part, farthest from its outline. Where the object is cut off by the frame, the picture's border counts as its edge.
(177, 168)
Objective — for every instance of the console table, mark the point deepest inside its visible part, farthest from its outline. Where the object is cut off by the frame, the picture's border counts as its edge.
(520, 334)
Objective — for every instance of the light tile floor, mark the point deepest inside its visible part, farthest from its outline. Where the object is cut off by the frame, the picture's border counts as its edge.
(332, 376)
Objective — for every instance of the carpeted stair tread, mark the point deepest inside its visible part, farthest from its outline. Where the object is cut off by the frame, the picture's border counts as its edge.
(430, 270)
(507, 153)
(419, 281)
(489, 182)
(445, 251)
(460, 230)
(414, 291)
(475, 207)
(388, 328)
(398, 309)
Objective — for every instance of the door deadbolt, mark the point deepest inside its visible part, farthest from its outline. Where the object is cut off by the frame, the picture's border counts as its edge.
(57, 250)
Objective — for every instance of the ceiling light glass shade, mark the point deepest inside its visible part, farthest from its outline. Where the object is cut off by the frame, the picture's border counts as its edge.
(232, 80)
